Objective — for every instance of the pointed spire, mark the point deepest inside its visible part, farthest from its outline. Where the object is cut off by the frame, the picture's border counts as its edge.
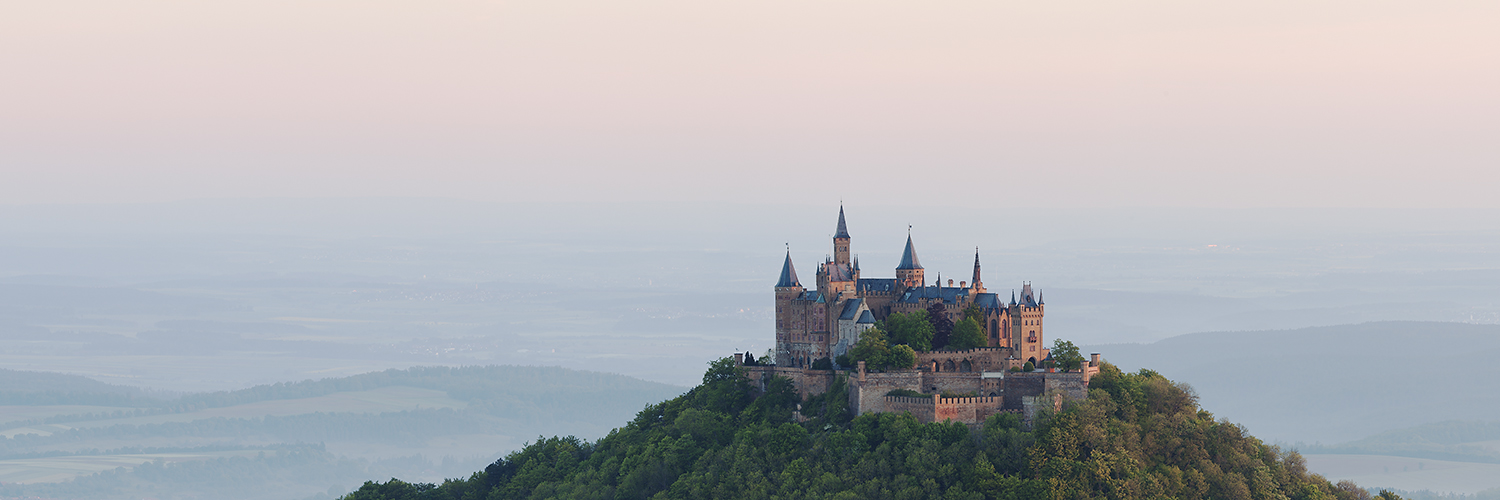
(788, 273)
(1039, 299)
(1012, 296)
(976, 267)
(909, 256)
(843, 231)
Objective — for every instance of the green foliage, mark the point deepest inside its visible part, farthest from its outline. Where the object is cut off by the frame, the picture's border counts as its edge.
(822, 363)
(967, 334)
(844, 361)
(900, 357)
(1030, 367)
(1065, 355)
(907, 393)
(1137, 436)
(911, 329)
(942, 326)
(975, 313)
(872, 349)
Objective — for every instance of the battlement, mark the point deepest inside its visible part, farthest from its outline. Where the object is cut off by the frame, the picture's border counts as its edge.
(938, 400)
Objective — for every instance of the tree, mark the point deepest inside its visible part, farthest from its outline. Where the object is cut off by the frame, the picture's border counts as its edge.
(911, 329)
(967, 334)
(900, 357)
(871, 348)
(749, 359)
(975, 313)
(822, 363)
(1066, 355)
(942, 327)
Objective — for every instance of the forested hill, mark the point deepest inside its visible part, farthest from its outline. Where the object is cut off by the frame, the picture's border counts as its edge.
(1138, 436)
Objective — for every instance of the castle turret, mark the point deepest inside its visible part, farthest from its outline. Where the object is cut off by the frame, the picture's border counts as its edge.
(909, 272)
(788, 274)
(841, 242)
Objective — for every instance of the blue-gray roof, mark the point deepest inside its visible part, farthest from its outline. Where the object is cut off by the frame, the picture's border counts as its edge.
(909, 256)
(788, 273)
(843, 229)
(988, 301)
(866, 317)
(877, 284)
(1028, 298)
(949, 294)
(851, 307)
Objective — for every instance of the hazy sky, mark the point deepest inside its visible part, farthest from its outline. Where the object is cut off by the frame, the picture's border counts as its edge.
(988, 103)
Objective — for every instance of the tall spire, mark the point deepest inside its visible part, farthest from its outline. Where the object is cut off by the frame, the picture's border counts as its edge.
(843, 231)
(788, 273)
(909, 256)
(976, 267)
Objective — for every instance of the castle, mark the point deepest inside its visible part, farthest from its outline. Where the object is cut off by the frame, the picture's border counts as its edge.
(826, 322)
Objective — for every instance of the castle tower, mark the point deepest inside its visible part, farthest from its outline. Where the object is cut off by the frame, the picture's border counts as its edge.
(1027, 312)
(909, 271)
(788, 317)
(841, 242)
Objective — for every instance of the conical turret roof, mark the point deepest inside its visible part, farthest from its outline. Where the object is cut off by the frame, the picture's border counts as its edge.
(843, 231)
(788, 273)
(909, 256)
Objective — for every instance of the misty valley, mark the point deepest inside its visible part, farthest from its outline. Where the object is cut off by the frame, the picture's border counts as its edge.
(160, 354)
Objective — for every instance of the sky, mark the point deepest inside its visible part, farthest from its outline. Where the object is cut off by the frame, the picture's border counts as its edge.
(1154, 103)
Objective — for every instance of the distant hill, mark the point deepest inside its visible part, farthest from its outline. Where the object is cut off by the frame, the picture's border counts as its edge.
(1332, 384)
(302, 437)
(18, 381)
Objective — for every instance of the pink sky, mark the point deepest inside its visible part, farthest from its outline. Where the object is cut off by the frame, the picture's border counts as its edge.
(974, 103)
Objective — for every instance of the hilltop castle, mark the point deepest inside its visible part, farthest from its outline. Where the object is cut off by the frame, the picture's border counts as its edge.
(826, 322)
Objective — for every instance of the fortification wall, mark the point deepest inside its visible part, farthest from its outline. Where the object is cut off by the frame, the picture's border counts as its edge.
(867, 390)
(808, 382)
(1021, 385)
(952, 382)
(941, 409)
(1073, 385)
(966, 410)
(921, 408)
(983, 359)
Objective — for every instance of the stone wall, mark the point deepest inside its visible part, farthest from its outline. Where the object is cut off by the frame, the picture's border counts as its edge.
(867, 390)
(984, 359)
(940, 409)
(808, 382)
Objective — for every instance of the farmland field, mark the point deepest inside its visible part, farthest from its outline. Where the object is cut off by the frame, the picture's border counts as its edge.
(384, 399)
(55, 469)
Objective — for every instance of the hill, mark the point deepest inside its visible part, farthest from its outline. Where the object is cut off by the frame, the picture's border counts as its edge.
(1137, 436)
(1343, 382)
